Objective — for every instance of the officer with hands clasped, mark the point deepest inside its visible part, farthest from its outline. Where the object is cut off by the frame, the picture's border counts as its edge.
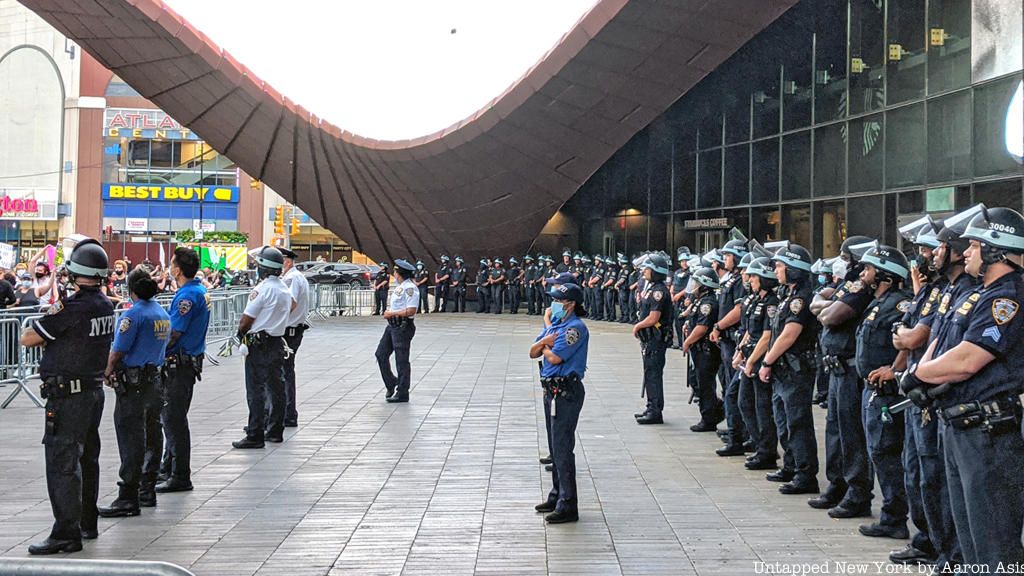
(458, 285)
(442, 286)
(654, 330)
(380, 289)
(979, 354)
(135, 371)
(885, 269)
(562, 347)
(261, 330)
(297, 326)
(789, 365)
(398, 334)
(680, 279)
(190, 317)
(421, 278)
(703, 353)
(72, 384)
(755, 398)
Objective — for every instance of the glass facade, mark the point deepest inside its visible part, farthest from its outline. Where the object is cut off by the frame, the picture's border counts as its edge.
(842, 117)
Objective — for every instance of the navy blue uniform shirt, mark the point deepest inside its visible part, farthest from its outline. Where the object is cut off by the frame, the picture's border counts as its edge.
(572, 340)
(142, 334)
(78, 331)
(190, 317)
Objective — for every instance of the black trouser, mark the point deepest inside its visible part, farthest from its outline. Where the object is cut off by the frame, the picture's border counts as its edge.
(927, 496)
(293, 338)
(531, 299)
(986, 493)
(795, 389)
(483, 302)
(623, 305)
(380, 301)
(460, 298)
(747, 404)
(140, 440)
(440, 297)
(705, 367)
(885, 447)
(595, 295)
(634, 307)
(179, 383)
(515, 298)
(730, 392)
(424, 305)
(767, 432)
(264, 387)
(72, 441)
(561, 433)
(396, 340)
(846, 450)
(609, 303)
(499, 294)
(654, 368)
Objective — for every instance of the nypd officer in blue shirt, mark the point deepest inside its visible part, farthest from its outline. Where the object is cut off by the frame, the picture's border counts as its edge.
(562, 346)
(190, 317)
(979, 353)
(134, 369)
(76, 332)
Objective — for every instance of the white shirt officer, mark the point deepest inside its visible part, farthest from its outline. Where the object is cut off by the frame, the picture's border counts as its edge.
(299, 287)
(270, 304)
(404, 295)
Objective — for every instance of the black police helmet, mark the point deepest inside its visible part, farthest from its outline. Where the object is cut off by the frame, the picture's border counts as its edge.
(999, 229)
(797, 261)
(854, 247)
(763, 269)
(706, 277)
(270, 258)
(737, 248)
(888, 260)
(953, 228)
(88, 260)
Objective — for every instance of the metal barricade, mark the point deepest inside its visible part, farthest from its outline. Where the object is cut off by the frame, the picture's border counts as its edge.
(11, 366)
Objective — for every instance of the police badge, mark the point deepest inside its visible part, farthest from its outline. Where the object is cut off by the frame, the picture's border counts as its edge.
(903, 306)
(657, 296)
(572, 336)
(126, 324)
(796, 305)
(772, 311)
(1003, 310)
(186, 305)
(705, 309)
(253, 295)
(409, 292)
(55, 308)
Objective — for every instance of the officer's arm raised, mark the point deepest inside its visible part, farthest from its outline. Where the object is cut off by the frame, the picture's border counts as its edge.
(955, 365)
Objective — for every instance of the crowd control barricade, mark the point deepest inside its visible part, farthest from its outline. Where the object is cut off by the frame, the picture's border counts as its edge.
(11, 362)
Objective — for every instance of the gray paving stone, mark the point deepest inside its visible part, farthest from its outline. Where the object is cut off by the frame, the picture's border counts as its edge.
(445, 484)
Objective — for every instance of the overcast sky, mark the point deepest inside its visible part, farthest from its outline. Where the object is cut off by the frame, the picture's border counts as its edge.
(386, 69)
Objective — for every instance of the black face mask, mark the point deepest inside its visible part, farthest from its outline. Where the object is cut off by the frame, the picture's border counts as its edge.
(40, 276)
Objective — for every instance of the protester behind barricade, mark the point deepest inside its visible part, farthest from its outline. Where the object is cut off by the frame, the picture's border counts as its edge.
(7, 295)
(24, 295)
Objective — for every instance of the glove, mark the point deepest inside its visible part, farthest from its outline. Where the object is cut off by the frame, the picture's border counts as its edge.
(909, 381)
(919, 396)
(243, 349)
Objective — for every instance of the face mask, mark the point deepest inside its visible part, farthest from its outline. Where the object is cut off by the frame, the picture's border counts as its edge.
(420, 267)
(839, 268)
(40, 276)
(24, 284)
(822, 280)
(557, 311)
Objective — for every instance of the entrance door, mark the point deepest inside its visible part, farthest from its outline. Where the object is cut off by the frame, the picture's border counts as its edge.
(708, 240)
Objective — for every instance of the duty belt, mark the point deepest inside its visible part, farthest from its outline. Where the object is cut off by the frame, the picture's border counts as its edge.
(133, 377)
(182, 360)
(835, 364)
(563, 386)
(887, 388)
(399, 321)
(63, 386)
(258, 339)
(994, 416)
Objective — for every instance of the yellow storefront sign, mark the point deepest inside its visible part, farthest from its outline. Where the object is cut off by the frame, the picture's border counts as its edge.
(170, 193)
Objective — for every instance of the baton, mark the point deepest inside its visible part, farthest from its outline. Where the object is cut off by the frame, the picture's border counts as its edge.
(932, 392)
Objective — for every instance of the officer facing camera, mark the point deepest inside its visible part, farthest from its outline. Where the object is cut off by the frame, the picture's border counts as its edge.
(398, 334)
(72, 383)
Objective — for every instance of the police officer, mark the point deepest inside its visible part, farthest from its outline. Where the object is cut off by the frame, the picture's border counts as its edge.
(704, 354)
(577, 266)
(730, 295)
(515, 285)
(483, 286)
(380, 289)
(530, 276)
(680, 278)
(550, 273)
(839, 311)
(420, 278)
(562, 347)
(297, 326)
(597, 275)
(499, 285)
(635, 277)
(789, 365)
(979, 353)
(398, 334)
(739, 445)
(655, 332)
(72, 384)
(134, 370)
(190, 317)
(442, 286)
(884, 270)
(755, 398)
(458, 284)
(622, 288)
(823, 270)
(608, 291)
(566, 264)
(261, 330)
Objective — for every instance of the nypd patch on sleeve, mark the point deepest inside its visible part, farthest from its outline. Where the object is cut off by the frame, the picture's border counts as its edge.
(1003, 310)
(185, 305)
(705, 309)
(126, 324)
(796, 305)
(572, 336)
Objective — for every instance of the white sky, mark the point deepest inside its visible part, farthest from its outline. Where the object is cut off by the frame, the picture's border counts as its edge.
(387, 69)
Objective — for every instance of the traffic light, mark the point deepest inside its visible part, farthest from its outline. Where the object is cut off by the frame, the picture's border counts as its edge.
(279, 220)
(295, 226)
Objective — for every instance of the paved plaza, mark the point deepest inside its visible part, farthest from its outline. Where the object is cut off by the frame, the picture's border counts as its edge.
(447, 483)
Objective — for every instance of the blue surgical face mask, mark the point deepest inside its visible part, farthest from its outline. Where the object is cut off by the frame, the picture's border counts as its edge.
(822, 279)
(557, 311)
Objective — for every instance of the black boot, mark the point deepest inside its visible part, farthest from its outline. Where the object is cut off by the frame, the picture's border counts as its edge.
(247, 443)
(650, 418)
(546, 506)
(563, 516)
(147, 495)
(173, 485)
(126, 504)
(51, 546)
(731, 450)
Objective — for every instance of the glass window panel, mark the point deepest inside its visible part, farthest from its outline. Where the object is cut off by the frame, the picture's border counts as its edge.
(865, 215)
(162, 154)
(912, 202)
(796, 166)
(710, 182)
(905, 146)
(999, 127)
(797, 47)
(660, 158)
(766, 224)
(737, 115)
(1005, 193)
(796, 223)
(710, 129)
(889, 217)
(737, 175)
(740, 218)
(949, 137)
(830, 228)
(829, 160)
(766, 103)
(865, 153)
(867, 56)
(686, 181)
(949, 44)
(906, 54)
(765, 175)
(996, 37)
(830, 74)
(138, 153)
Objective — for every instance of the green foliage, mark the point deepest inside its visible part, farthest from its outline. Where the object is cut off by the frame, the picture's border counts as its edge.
(187, 236)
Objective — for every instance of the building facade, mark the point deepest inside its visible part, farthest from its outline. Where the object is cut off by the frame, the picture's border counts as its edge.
(842, 117)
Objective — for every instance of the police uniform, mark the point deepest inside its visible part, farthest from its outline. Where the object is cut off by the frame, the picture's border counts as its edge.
(980, 423)
(745, 406)
(499, 291)
(705, 356)
(380, 295)
(442, 288)
(515, 286)
(793, 378)
(622, 290)
(730, 294)
(549, 276)
(458, 285)
(532, 274)
(397, 340)
(297, 326)
(680, 278)
(635, 278)
(597, 275)
(269, 305)
(422, 278)
(874, 349)
(563, 400)
(608, 292)
(190, 317)
(72, 384)
(142, 335)
(483, 288)
(847, 465)
(654, 341)
(755, 398)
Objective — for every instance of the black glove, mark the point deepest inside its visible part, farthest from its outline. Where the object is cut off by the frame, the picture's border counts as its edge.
(919, 396)
(909, 381)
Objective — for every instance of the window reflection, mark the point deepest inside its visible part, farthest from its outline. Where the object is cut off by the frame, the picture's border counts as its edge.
(949, 137)
(765, 175)
(867, 55)
(949, 44)
(906, 54)
(865, 153)
(829, 160)
(905, 146)
(830, 68)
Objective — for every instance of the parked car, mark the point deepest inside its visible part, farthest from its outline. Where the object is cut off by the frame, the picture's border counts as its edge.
(303, 266)
(354, 275)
